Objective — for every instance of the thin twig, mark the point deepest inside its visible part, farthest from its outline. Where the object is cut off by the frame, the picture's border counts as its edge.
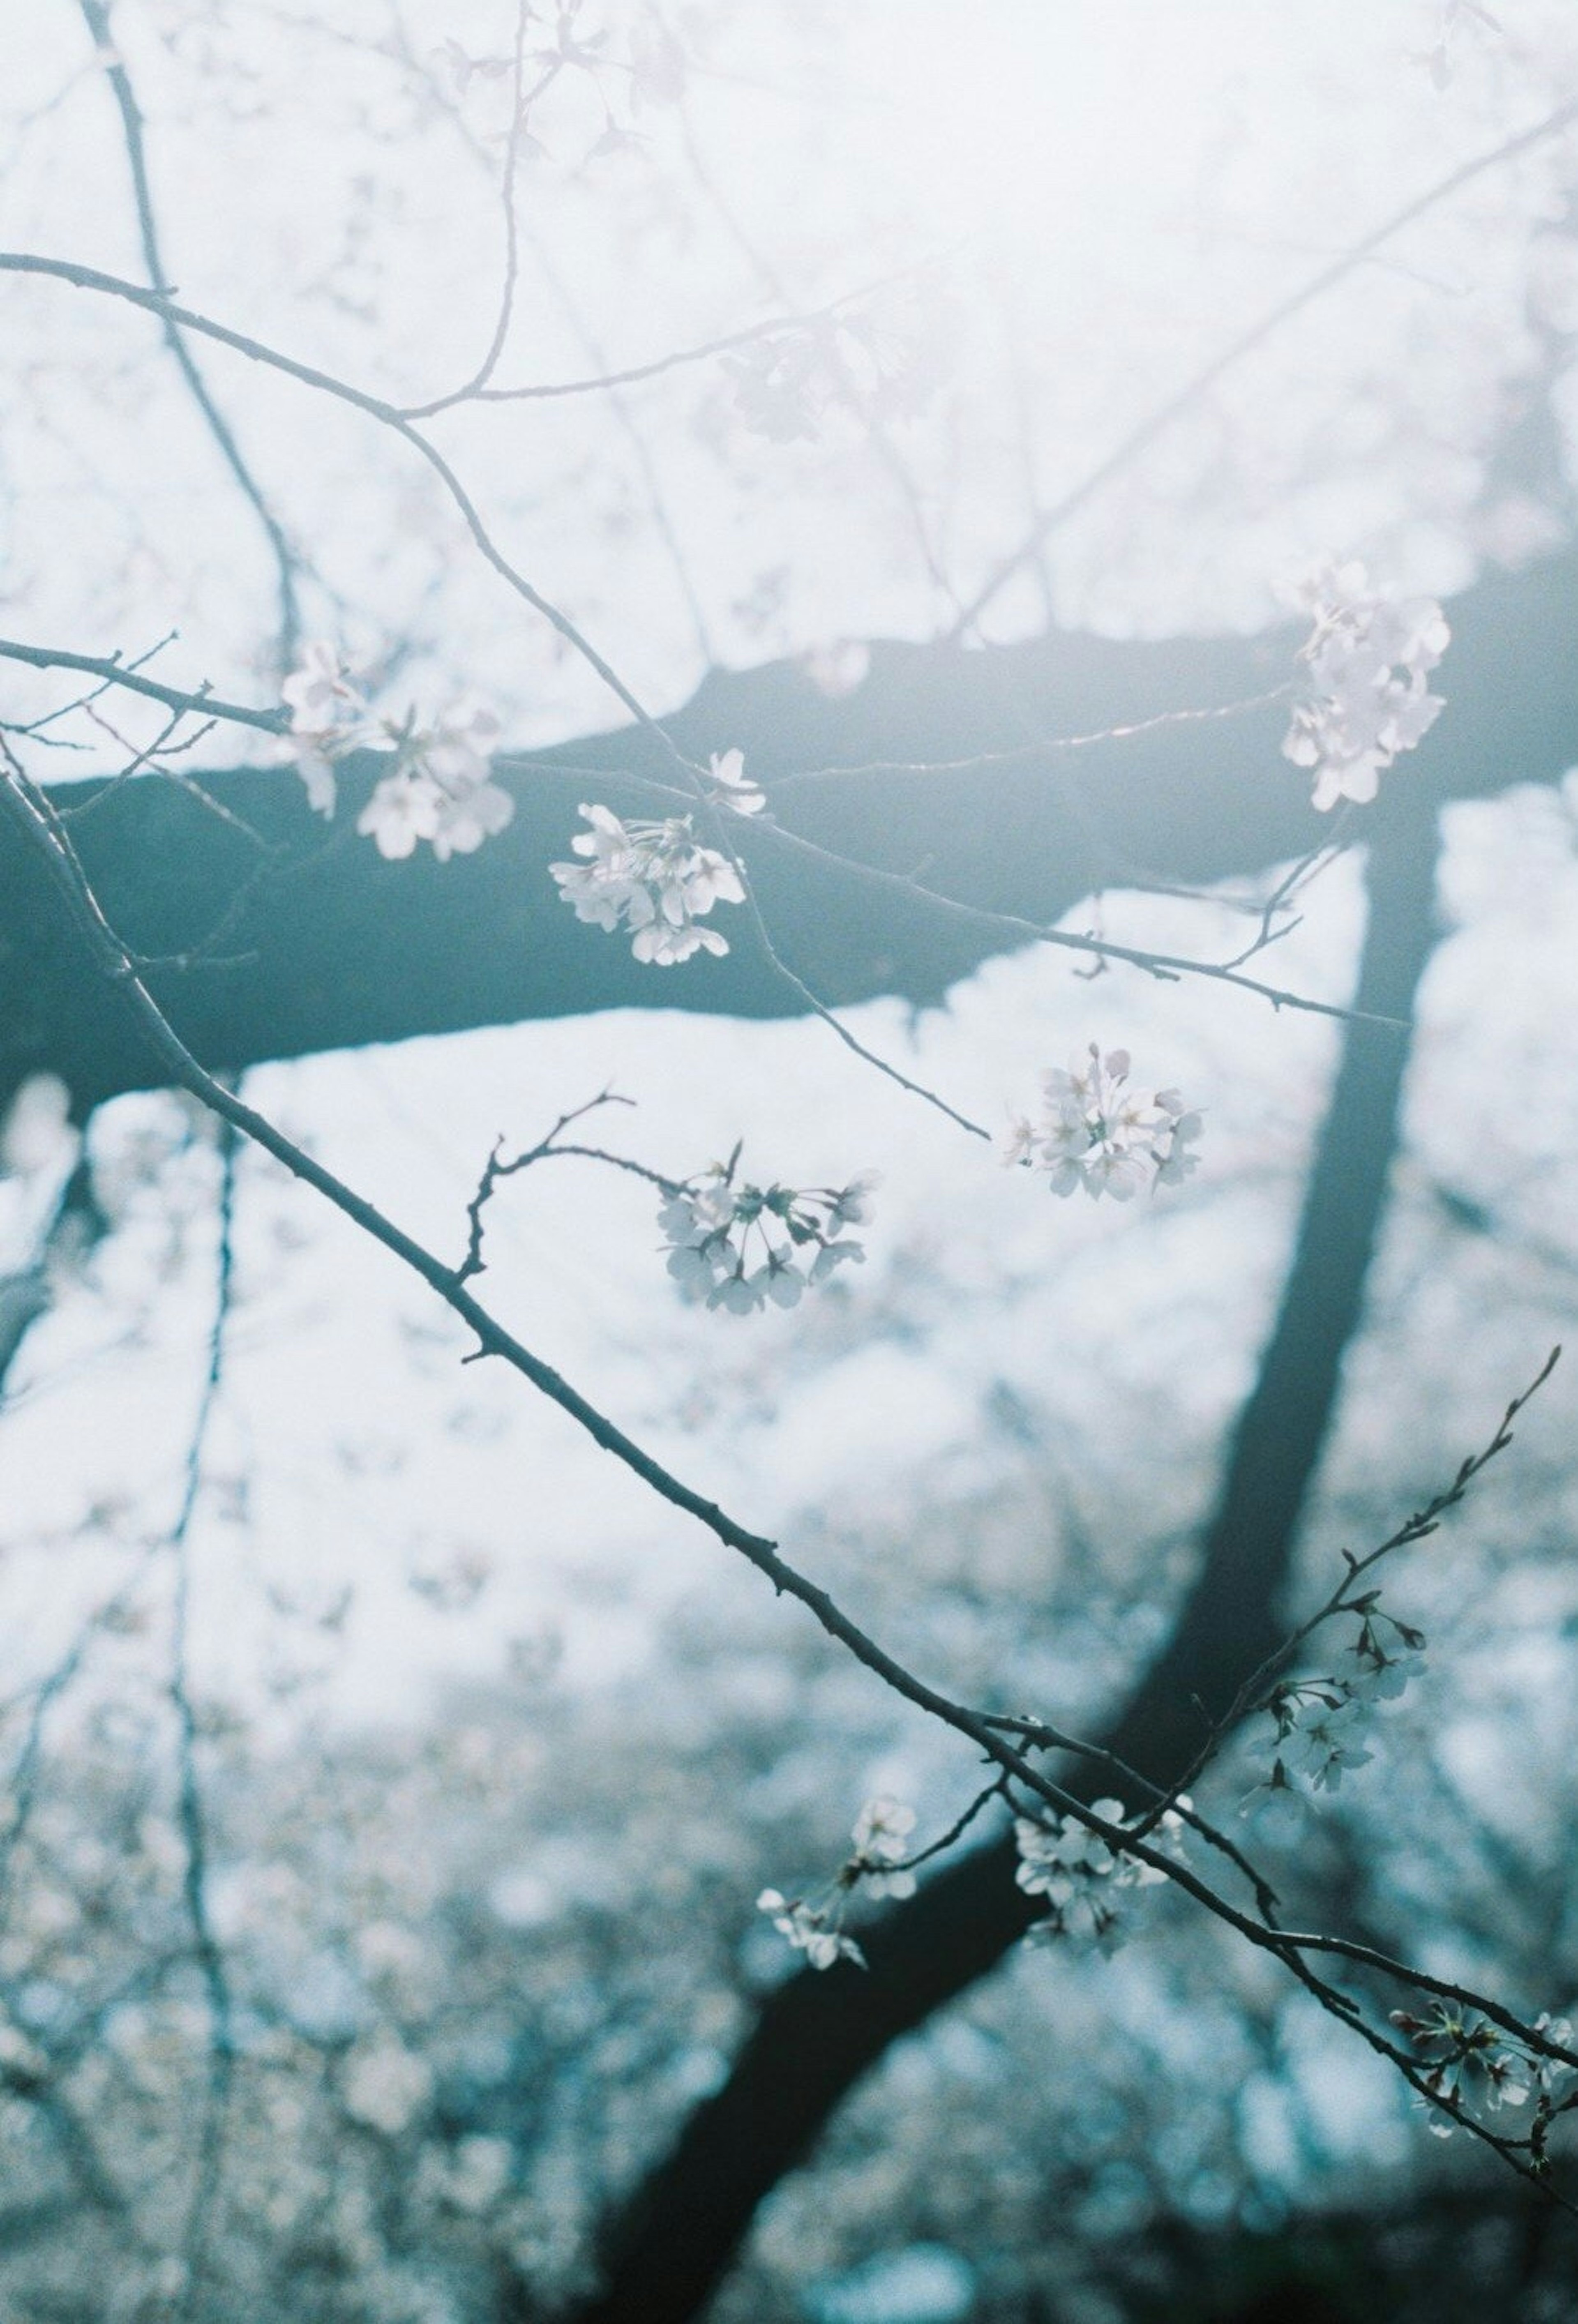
(1156, 422)
(97, 18)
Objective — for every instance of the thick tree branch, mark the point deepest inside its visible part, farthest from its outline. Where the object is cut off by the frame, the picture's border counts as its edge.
(326, 946)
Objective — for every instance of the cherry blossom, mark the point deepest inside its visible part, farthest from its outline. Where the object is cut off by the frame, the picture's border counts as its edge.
(815, 1927)
(732, 785)
(1376, 1670)
(319, 692)
(1320, 1724)
(328, 714)
(656, 877)
(737, 1246)
(1094, 1134)
(882, 1839)
(1325, 1740)
(811, 1928)
(403, 809)
(1469, 2061)
(438, 788)
(1081, 1877)
(1365, 698)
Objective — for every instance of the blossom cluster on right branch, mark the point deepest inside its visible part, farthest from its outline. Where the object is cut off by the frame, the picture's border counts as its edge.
(1365, 698)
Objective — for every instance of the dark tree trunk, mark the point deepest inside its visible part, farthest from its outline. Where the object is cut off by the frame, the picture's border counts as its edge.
(318, 943)
(819, 2032)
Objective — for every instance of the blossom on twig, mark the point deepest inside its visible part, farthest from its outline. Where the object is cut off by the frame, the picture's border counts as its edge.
(1094, 1134)
(811, 1930)
(1083, 1878)
(1321, 1724)
(328, 714)
(737, 1246)
(438, 789)
(732, 786)
(657, 878)
(816, 1928)
(438, 786)
(881, 1840)
(1365, 698)
(1468, 2060)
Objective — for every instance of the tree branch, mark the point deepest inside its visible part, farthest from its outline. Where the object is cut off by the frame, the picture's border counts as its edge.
(333, 947)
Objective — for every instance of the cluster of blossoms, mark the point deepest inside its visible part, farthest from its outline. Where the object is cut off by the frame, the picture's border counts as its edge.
(1468, 2061)
(438, 788)
(1365, 698)
(882, 1841)
(1082, 1878)
(657, 878)
(727, 1242)
(1094, 1133)
(1321, 1723)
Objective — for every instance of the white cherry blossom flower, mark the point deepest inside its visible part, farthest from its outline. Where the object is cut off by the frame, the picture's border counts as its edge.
(1471, 2061)
(811, 1930)
(1324, 1741)
(1281, 1812)
(1319, 1731)
(851, 1205)
(1095, 1134)
(456, 751)
(438, 785)
(1319, 1724)
(1371, 1671)
(403, 809)
(318, 774)
(656, 877)
(319, 692)
(464, 823)
(1083, 1878)
(328, 719)
(732, 785)
(737, 1246)
(448, 765)
(1550, 2075)
(882, 1840)
(1365, 698)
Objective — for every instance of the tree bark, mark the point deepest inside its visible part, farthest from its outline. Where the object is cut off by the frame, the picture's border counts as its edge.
(317, 943)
